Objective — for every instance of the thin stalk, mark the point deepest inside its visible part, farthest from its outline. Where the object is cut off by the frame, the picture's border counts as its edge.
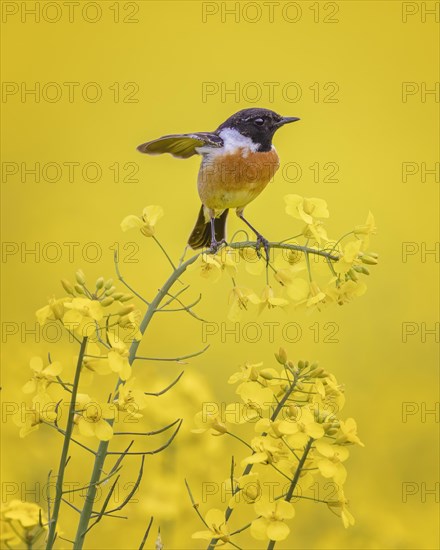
(101, 453)
(295, 479)
(103, 446)
(65, 451)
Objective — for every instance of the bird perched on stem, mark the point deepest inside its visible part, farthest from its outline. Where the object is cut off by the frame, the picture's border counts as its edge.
(238, 161)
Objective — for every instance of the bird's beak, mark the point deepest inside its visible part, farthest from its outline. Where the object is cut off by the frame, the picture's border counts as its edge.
(287, 120)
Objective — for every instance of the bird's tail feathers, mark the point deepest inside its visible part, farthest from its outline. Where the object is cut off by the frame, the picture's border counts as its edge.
(201, 234)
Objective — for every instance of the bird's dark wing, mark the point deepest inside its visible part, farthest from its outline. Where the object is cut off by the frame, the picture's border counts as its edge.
(181, 145)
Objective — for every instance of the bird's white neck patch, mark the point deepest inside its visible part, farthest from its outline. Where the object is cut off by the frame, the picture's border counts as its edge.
(233, 140)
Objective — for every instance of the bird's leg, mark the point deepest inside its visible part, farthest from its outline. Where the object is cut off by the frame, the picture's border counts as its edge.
(261, 241)
(215, 244)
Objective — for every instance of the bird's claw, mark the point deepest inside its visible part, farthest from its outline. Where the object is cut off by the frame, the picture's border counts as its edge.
(262, 242)
(215, 245)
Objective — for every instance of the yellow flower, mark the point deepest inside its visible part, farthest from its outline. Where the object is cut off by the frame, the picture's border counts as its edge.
(29, 419)
(301, 427)
(53, 311)
(298, 290)
(330, 463)
(42, 376)
(93, 362)
(240, 297)
(131, 399)
(254, 263)
(349, 258)
(346, 291)
(22, 521)
(91, 417)
(82, 315)
(265, 451)
(209, 266)
(255, 396)
(316, 230)
(228, 260)
(269, 300)
(306, 209)
(248, 371)
(130, 321)
(339, 507)
(271, 526)
(348, 433)
(246, 488)
(118, 356)
(217, 527)
(209, 421)
(150, 216)
(364, 231)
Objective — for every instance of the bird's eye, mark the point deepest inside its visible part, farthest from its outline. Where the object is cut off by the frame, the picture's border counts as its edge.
(259, 121)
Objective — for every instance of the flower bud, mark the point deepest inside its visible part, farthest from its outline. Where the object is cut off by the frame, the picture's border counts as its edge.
(369, 259)
(57, 309)
(79, 289)
(67, 287)
(99, 283)
(107, 301)
(125, 321)
(125, 310)
(108, 284)
(331, 430)
(110, 290)
(352, 275)
(126, 297)
(118, 295)
(361, 269)
(281, 356)
(266, 374)
(80, 277)
(301, 365)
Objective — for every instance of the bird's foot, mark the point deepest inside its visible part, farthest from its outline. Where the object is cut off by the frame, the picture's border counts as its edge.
(262, 242)
(215, 245)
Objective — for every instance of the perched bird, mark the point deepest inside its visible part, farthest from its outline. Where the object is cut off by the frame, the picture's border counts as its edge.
(238, 161)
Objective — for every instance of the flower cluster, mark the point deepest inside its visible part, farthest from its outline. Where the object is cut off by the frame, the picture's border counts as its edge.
(295, 440)
(23, 524)
(293, 276)
(110, 323)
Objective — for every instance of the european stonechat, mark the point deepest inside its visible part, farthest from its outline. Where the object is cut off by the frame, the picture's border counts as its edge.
(238, 161)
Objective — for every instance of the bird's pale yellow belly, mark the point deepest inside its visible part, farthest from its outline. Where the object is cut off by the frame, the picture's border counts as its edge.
(234, 180)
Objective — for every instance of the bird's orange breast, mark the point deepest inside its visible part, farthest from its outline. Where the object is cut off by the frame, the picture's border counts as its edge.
(235, 179)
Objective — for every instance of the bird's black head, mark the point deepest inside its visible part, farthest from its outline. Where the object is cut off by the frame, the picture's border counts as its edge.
(258, 124)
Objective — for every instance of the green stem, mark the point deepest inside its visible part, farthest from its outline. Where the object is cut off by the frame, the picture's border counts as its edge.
(103, 446)
(151, 310)
(249, 467)
(64, 453)
(294, 483)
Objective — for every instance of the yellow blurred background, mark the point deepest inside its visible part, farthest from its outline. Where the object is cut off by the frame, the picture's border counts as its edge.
(110, 75)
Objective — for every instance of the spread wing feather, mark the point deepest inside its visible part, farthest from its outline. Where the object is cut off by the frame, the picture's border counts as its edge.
(181, 145)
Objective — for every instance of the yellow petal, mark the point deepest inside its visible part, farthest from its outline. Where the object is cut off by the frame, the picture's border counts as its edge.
(36, 364)
(278, 530)
(103, 430)
(131, 222)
